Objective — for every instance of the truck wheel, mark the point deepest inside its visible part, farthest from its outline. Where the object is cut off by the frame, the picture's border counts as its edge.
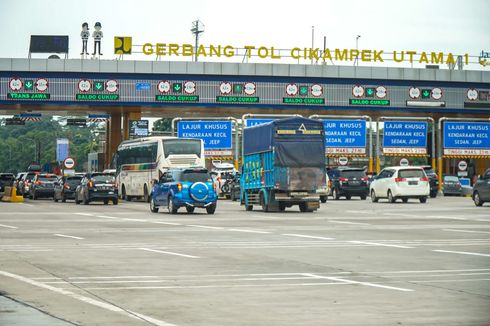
(423, 200)
(189, 209)
(265, 206)
(282, 206)
(323, 199)
(146, 196)
(249, 207)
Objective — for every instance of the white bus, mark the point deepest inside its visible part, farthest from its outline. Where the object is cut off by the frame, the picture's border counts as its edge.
(140, 161)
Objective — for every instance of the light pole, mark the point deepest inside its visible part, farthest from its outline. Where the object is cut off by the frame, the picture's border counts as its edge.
(356, 62)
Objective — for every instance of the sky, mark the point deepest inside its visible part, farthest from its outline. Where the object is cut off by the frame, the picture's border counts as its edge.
(438, 25)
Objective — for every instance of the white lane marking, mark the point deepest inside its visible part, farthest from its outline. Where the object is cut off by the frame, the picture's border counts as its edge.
(104, 216)
(84, 214)
(381, 244)
(482, 220)
(306, 236)
(463, 253)
(134, 220)
(167, 223)
(185, 280)
(8, 226)
(249, 231)
(30, 205)
(343, 222)
(343, 280)
(206, 227)
(68, 236)
(168, 253)
(26, 250)
(82, 298)
(449, 217)
(468, 231)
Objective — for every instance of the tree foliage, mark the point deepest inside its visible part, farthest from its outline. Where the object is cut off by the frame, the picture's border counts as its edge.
(163, 124)
(18, 143)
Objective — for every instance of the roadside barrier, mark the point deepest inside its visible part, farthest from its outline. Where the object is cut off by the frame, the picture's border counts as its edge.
(10, 196)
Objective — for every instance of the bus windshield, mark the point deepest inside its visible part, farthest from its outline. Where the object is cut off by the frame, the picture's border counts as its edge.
(181, 147)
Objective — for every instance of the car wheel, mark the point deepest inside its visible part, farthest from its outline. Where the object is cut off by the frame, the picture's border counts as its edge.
(249, 208)
(323, 199)
(153, 207)
(374, 199)
(282, 206)
(363, 197)
(115, 201)
(335, 194)
(34, 195)
(347, 197)
(106, 202)
(55, 199)
(232, 196)
(211, 209)
(433, 194)
(423, 200)
(85, 201)
(189, 209)
(391, 199)
(405, 200)
(76, 200)
(63, 199)
(477, 199)
(171, 206)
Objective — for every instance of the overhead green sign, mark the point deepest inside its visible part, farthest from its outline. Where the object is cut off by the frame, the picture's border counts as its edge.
(177, 98)
(369, 102)
(28, 96)
(97, 97)
(29, 85)
(303, 100)
(236, 99)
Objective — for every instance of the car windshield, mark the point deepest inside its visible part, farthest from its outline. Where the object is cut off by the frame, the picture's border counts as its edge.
(6, 177)
(107, 178)
(428, 170)
(73, 181)
(29, 177)
(450, 178)
(411, 173)
(196, 176)
(47, 178)
(352, 173)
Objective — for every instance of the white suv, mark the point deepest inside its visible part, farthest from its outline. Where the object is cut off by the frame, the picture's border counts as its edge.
(400, 182)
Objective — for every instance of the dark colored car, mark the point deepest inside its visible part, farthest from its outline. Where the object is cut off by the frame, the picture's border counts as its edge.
(65, 188)
(235, 187)
(25, 183)
(189, 188)
(433, 180)
(451, 186)
(481, 189)
(97, 186)
(42, 186)
(6, 180)
(348, 182)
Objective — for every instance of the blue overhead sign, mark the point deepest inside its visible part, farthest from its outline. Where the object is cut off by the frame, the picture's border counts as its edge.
(405, 137)
(345, 136)
(62, 147)
(466, 138)
(215, 134)
(255, 122)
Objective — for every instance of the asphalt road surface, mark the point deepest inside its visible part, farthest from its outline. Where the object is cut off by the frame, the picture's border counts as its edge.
(350, 263)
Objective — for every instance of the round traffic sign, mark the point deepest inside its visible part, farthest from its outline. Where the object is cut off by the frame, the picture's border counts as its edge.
(225, 88)
(84, 85)
(436, 93)
(292, 89)
(316, 90)
(414, 92)
(357, 91)
(404, 162)
(472, 94)
(42, 84)
(249, 88)
(462, 165)
(189, 87)
(69, 163)
(15, 84)
(343, 160)
(111, 86)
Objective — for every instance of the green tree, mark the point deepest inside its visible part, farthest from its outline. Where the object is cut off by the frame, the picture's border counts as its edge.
(21, 145)
(163, 124)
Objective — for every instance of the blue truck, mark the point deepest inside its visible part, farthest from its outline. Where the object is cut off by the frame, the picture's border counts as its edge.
(283, 165)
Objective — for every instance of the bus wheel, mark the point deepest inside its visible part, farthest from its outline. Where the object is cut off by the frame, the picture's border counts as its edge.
(123, 193)
(146, 196)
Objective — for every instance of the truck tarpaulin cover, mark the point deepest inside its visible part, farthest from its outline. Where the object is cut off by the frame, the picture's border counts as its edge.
(298, 142)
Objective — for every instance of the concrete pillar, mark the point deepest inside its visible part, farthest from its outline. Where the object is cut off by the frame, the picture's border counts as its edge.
(114, 136)
(126, 117)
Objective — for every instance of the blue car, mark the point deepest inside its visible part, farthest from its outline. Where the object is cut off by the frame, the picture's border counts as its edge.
(189, 188)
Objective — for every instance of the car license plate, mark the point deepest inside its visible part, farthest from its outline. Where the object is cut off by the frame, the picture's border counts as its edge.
(413, 183)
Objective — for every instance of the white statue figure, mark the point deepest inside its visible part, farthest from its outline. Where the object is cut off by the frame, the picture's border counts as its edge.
(97, 35)
(85, 34)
